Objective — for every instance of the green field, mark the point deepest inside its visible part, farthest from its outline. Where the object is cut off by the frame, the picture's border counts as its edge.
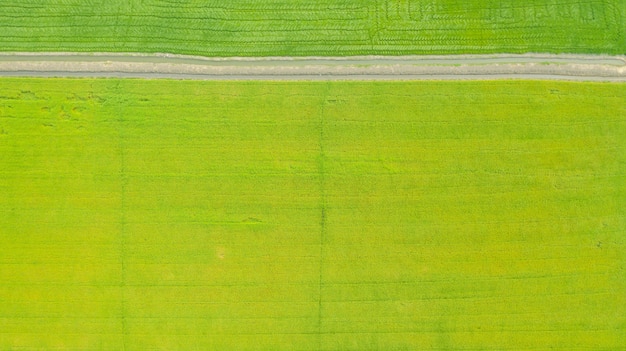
(181, 215)
(323, 27)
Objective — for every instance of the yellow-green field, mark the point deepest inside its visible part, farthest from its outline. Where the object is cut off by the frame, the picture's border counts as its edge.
(179, 215)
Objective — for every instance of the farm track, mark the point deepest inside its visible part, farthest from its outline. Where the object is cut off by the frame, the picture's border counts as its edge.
(462, 67)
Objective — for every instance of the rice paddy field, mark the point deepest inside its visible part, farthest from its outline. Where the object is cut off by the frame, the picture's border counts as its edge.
(322, 27)
(189, 215)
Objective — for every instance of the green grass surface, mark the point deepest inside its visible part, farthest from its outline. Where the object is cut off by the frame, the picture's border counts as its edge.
(324, 27)
(181, 215)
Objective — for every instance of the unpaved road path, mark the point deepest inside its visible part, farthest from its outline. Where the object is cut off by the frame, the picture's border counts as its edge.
(463, 67)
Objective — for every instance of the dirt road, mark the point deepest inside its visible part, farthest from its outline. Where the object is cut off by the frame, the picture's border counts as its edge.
(464, 67)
